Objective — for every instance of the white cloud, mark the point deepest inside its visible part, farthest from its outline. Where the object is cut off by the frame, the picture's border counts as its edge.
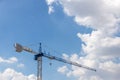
(102, 14)
(106, 70)
(65, 56)
(100, 50)
(10, 60)
(101, 46)
(21, 65)
(62, 69)
(50, 2)
(11, 74)
(51, 10)
(110, 66)
(50, 7)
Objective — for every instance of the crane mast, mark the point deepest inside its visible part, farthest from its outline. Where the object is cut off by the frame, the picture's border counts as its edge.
(40, 54)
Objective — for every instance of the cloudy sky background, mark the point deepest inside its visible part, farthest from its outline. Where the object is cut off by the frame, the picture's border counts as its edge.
(84, 31)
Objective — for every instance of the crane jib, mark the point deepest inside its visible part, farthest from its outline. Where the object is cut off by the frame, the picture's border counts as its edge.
(66, 61)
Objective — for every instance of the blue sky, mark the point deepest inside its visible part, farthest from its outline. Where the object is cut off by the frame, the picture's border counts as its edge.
(71, 29)
(28, 22)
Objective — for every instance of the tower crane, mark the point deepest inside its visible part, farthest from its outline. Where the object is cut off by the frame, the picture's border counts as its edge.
(40, 54)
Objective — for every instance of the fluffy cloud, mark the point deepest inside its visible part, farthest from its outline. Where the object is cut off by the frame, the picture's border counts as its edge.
(102, 14)
(101, 47)
(10, 60)
(21, 65)
(106, 69)
(50, 8)
(62, 69)
(10, 74)
(50, 2)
